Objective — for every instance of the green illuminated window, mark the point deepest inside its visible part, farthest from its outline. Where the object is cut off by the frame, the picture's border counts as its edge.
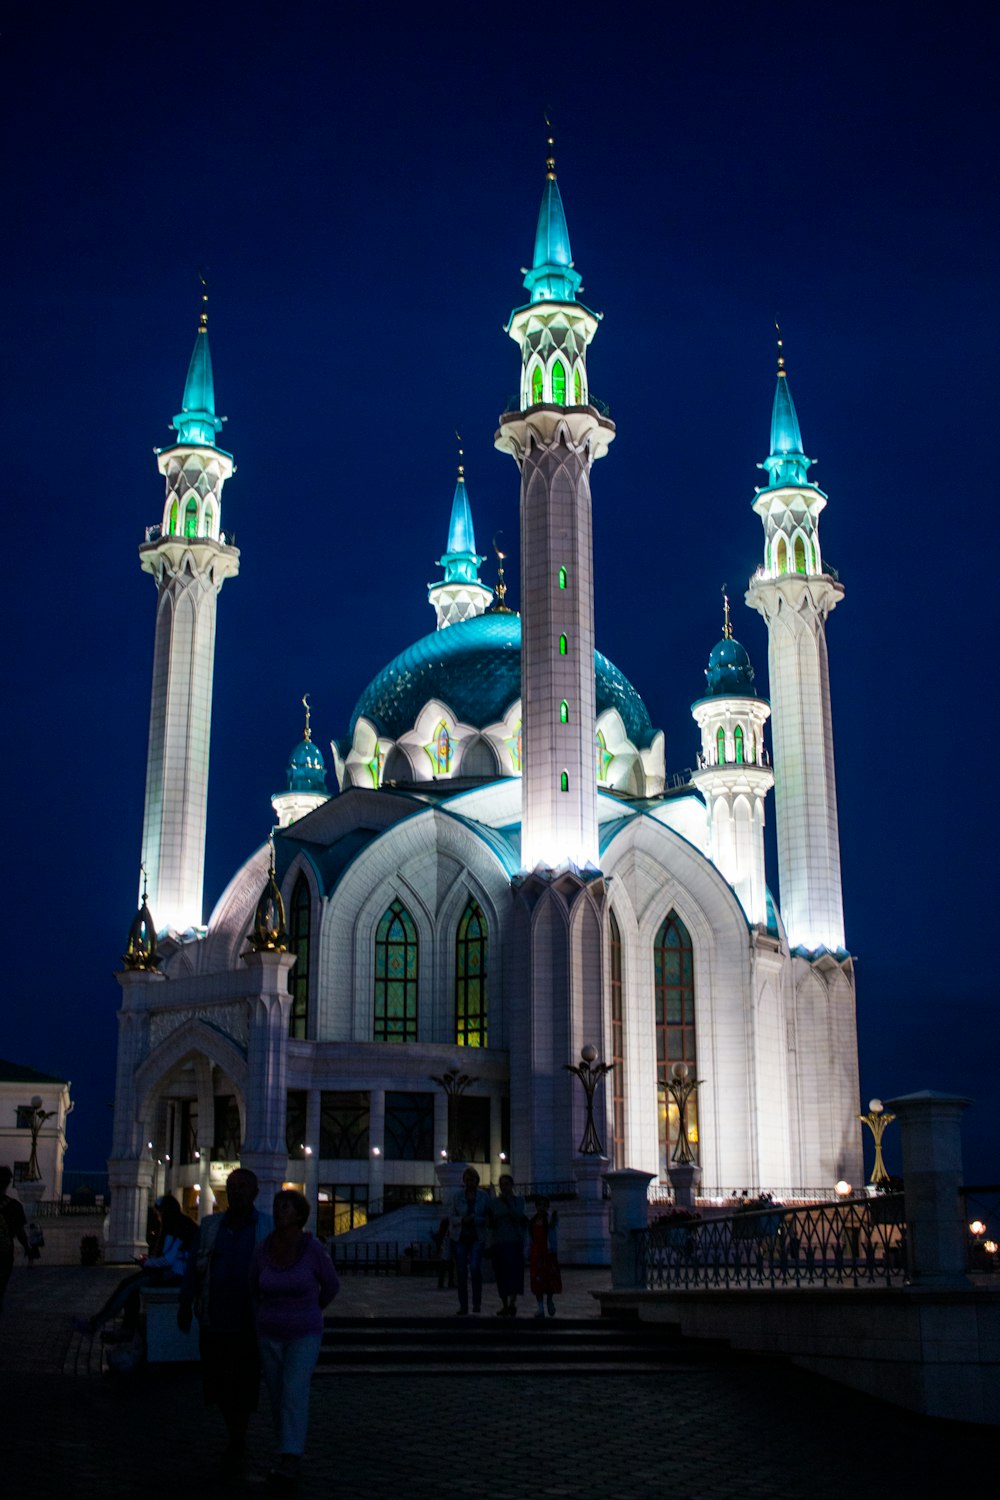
(577, 387)
(536, 385)
(753, 748)
(562, 578)
(564, 712)
(720, 746)
(470, 977)
(209, 520)
(800, 555)
(395, 1017)
(299, 922)
(191, 518)
(173, 518)
(782, 556)
(738, 737)
(563, 646)
(673, 966)
(564, 781)
(559, 383)
(812, 553)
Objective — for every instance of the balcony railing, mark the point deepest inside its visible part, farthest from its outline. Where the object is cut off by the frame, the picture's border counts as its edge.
(601, 407)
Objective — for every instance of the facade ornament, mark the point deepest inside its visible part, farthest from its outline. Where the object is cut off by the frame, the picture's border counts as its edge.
(269, 934)
(141, 954)
(590, 1072)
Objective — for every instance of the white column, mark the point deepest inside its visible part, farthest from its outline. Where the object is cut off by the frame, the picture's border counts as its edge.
(265, 1149)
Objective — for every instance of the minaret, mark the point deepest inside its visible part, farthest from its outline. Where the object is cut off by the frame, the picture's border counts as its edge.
(461, 595)
(733, 775)
(306, 778)
(190, 559)
(555, 436)
(795, 593)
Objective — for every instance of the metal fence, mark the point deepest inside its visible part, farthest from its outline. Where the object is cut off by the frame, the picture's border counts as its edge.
(981, 1210)
(841, 1244)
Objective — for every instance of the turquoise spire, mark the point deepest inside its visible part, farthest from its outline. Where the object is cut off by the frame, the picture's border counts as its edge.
(552, 277)
(787, 463)
(461, 560)
(196, 422)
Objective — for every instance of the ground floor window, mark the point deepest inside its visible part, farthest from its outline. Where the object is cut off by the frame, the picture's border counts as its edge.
(409, 1127)
(341, 1208)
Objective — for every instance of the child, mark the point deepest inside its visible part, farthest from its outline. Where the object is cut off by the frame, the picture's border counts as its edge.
(544, 1261)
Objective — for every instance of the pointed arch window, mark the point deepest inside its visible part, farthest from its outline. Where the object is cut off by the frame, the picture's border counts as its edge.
(800, 555)
(536, 385)
(753, 747)
(563, 646)
(563, 578)
(782, 556)
(564, 781)
(299, 943)
(577, 387)
(812, 553)
(673, 962)
(471, 954)
(396, 953)
(564, 712)
(617, 1046)
(209, 520)
(559, 383)
(604, 756)
(738, 738)
(441, 750)
(173, 518)
(720, 747)
(191, 517)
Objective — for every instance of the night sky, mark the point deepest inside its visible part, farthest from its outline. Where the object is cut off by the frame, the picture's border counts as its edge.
(362, 185)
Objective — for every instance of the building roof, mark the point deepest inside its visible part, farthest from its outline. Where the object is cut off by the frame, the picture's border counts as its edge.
(12, 1072)
(474, 667)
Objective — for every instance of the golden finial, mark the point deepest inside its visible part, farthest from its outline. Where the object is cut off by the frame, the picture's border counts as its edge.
(140, 953)
(461, 454)
(501, 589)
(308, 733)
(268, 934)
(203, 319)
(727, 629)
(550, 161)
(782, 372)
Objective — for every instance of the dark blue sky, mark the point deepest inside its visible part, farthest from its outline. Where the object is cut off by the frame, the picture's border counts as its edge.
(362, 184)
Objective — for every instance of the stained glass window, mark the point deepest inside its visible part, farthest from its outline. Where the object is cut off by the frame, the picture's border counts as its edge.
(720, 746)
(577, 387)
(536, 385)
(564, 712)
(396, 977)
(559, 383)
(299, 920)
(191, 518)
(673, 960)
(471, 949)
(514, 746)
(562, 578)
(441, 750)
(812, 553)
(738, 737)
(782, 556)
(173, 518)
(564, 781)
(209, 520)
(800, 555)
(563, 646)
(604, 756)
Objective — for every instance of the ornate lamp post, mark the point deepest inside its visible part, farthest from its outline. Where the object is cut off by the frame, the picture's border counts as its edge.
(876, 1119)
(36, 1119)
(590, 1072)
(680, 1086)
(454, 1082)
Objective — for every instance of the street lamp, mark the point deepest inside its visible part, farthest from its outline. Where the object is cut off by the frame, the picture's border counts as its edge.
(454, 1082)
(590, 1072)
(876, 1119)
(680, 1086)
(36, 1119)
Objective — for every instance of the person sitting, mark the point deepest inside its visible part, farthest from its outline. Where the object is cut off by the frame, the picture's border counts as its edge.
(164, 1267)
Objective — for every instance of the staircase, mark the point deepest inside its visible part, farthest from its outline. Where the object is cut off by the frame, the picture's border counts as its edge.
(494, 1346)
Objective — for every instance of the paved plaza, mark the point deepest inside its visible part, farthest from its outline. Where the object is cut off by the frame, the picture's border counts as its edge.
(716, 1426)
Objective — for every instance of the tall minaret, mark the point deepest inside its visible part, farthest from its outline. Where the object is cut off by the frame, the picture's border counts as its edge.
(461, 595)
(555, 437)
(733, 775)
(190, 560)
(795, 594)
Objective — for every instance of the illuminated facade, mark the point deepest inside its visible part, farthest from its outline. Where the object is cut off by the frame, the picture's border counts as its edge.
(505, 874)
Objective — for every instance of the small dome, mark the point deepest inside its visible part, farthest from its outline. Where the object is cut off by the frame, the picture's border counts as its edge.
(307, 768)
(729, 673)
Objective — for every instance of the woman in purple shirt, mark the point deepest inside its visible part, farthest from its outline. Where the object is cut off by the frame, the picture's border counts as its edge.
(292, 1279)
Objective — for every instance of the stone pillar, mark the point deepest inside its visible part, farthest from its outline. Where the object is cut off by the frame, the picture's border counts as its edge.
(629, 1212)
(684, 1179)
(312, 1141)
(129, 1182)
(376, 1128)
(932, 1175)
(586, 1239)
(265, 1150)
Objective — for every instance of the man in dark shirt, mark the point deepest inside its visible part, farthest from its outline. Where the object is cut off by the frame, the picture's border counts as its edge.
(216, 1285)
(11, 1229)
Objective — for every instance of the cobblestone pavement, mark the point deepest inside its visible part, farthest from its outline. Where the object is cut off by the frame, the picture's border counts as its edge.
(744, 1428)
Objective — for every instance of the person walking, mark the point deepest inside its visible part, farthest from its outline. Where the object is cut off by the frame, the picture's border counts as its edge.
(292, 1279)
(546, 1280)
(11, 1229)
(216, 1286)
(507, 1220)
(468, 1227)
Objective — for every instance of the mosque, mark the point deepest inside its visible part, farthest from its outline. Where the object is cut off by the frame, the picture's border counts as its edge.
(505, 874)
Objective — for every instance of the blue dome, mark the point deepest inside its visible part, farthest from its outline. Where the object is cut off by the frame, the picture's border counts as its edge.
(475, 668)
(729, 673)
(306, 768)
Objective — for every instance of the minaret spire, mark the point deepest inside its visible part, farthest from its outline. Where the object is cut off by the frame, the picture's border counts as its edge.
(795, 592)
(462, 594)
(189, 558)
